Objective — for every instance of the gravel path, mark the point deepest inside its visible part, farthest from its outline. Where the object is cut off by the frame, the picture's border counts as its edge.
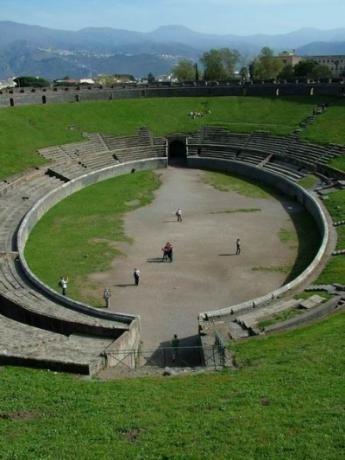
(205, 274)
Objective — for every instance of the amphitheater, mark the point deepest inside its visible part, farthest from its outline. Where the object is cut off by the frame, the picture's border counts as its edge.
(41, 328)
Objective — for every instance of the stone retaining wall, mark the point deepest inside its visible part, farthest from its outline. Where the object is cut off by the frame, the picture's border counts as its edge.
(17, 97)
(288, 188)
(52, 198)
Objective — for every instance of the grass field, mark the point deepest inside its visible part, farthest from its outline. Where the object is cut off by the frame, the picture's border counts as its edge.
(230, 182)
(309, 181)
(335, 203)
(329, 127)
(286, 401)
(338, 163)
(25, 129)
(86, 226)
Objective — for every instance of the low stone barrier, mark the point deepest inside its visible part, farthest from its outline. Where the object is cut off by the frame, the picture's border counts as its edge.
(55, 196)
(288, 188)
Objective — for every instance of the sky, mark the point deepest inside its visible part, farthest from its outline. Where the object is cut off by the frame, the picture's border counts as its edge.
(242, 17)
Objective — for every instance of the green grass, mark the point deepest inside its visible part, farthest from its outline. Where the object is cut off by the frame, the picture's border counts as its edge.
(279, 317)
(307, 294)
(341, 237)
(85, 227)
(226, 182)
(286, 401)
(338, 163)
(25, 129)
(309, 181)
(328, 127)
(335, 203)
(334, 272)
(273, 268)
(287, 235)
(236, 210)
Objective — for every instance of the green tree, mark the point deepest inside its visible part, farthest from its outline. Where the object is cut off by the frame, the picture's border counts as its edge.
(321, 71)
(266, 66)
(34, 82)
(305, 68)
(151, 78)
(287, 72)
(219, 64)
(184, 70)
(244, 73)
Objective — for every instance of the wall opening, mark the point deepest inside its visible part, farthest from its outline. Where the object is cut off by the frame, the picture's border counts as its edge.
(177, 152)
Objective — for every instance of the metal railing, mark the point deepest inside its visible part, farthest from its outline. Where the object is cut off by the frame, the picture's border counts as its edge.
(195, 356)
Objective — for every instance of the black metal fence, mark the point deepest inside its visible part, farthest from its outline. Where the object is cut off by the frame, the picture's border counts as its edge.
(195, 356)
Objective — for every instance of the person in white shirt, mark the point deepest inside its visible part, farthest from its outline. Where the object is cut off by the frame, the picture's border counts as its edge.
(179, 215)
(136, 275)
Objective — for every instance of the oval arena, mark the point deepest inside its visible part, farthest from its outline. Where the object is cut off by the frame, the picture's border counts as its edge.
(42, 328)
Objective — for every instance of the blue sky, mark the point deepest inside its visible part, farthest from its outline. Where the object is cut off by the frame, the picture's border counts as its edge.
(214, 16)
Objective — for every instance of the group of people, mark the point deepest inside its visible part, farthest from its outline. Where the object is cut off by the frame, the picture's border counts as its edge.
(195, 115)
(168, 252)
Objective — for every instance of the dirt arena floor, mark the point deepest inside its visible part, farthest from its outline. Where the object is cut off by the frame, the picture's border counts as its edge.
(205, 274)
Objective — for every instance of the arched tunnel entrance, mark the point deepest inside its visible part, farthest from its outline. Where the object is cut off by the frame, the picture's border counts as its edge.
(177, 153)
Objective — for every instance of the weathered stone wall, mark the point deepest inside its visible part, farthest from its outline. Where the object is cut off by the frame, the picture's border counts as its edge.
(49, 200)
(288, 188)
(24, 96)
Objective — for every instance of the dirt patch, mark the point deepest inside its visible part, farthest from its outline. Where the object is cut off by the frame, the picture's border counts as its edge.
(18, 415)
(205, 274)
(132, 435)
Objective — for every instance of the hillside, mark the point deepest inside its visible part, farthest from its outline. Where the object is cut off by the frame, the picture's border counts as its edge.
(51, 53)
(285, 401)
(62, 123)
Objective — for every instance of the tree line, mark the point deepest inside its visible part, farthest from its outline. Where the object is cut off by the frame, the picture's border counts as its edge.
(221, 65)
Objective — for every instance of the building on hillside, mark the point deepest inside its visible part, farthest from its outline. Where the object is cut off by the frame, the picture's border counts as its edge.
(87, 81)
(335, 63)
(9, 83)
(166, 78)
(289, 58)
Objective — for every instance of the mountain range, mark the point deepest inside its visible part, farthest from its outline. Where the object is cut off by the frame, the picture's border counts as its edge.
(36, 50)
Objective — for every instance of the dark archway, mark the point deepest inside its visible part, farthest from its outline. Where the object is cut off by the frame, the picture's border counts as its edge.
(177, 152)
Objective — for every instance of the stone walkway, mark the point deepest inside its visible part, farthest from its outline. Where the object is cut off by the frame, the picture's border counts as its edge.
(205, 274)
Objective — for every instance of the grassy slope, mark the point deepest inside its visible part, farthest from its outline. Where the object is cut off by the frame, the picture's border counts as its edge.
(335, 269)
(25, 129)
(285, 402)
(85, 227)
(338, 163)
(329, 127)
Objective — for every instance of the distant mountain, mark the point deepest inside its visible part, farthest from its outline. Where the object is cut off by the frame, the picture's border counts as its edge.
(322, 48)
(35, 50)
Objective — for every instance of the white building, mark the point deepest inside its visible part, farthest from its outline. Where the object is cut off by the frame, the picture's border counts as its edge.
(9, 83)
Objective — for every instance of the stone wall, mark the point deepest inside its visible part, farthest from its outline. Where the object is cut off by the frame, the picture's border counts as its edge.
(48, 201)
(25, 96)
(286, 187)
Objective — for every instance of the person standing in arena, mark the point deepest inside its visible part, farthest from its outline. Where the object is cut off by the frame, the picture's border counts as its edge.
(238, 247)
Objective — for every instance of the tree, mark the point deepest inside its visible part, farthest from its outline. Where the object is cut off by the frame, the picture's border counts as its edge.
(305, 68)
(34, 82)
(321, 71)
(184, 70)
(244, 73)
(219, 64)
(287, 72)
(197, 76)
(151, 78)
(267, 66)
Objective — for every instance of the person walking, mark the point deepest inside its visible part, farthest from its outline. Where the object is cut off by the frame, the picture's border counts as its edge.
(238, 247)
(106, 296)
(179, 215)
(175, 343)
(136, 275)
(63, 284)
